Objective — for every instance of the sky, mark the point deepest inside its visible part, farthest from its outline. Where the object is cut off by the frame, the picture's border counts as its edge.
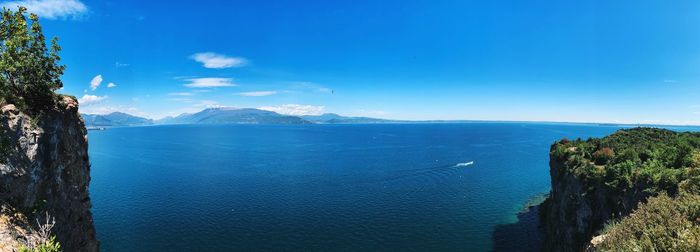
(541, 60)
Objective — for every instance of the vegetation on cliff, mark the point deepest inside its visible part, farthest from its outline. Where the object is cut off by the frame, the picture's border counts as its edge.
(643, 182)
(29, 70)
(650, 159)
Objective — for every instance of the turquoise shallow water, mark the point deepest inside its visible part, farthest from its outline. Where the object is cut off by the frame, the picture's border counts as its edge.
(390, 187)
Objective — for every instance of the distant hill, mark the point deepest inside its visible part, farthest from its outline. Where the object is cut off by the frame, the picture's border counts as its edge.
(331, 118)
(233, 116)
(115, 119)
(224, 116)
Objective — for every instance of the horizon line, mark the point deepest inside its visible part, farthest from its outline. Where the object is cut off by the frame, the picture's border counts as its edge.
(600, 123)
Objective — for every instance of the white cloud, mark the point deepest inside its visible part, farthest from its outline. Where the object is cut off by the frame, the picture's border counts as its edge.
(295, 109)
(257, 93)
(95, 82)
(180, 94)
(218, 61)
(209, 82)
(111, 85)
(670, 81)
(51, 9)
(90, 99)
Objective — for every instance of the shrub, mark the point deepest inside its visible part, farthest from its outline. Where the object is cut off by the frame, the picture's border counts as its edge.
(50, 245)
(603, 155)
(41, 240)
(694, 159)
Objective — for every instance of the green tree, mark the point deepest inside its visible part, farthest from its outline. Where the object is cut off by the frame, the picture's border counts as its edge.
(29, 70)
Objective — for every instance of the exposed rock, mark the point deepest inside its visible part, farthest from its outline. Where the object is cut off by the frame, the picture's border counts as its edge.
(595, 243)
(14, 229)
(44, 167)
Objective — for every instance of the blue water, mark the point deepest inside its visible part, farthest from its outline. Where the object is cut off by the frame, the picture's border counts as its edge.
(390, 187)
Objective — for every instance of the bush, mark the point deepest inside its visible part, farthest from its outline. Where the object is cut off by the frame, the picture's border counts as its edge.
(602, 156)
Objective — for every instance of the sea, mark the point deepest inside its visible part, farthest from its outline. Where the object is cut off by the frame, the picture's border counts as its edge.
(357, 187)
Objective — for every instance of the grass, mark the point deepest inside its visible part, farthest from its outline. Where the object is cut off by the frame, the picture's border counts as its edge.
(662, 224)
(51, 245)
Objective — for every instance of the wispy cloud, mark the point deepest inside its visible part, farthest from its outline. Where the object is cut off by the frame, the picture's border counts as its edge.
(180, 94)
(120, 64)
(95, 82)
(209, 82)
(310, 86)
(295, 109)
(51, 9)
(670, 81)
(111, 85)
(87, 99)
(184, 77)
(257, 93)
(218, 61)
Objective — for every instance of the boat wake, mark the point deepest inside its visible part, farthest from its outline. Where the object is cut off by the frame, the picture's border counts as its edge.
(431, 175)
(464, 164)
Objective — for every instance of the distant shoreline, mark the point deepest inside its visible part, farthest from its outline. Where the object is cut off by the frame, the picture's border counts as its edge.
(417, 122)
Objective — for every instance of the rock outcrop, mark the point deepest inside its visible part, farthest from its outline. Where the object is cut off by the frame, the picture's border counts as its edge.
(44, 168)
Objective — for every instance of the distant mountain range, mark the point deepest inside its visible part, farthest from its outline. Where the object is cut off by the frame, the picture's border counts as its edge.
(330, 118)
(116, 119)
(233, 116)
(224, 116)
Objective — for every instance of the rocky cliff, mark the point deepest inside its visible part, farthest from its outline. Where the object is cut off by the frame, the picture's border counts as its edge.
(600, 180)
(44, 169)
(576, 209)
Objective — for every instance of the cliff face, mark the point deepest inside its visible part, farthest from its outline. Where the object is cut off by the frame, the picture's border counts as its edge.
(577, 209)
(44, 168)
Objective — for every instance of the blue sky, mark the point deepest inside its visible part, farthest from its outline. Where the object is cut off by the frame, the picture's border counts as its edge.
(582, 61)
